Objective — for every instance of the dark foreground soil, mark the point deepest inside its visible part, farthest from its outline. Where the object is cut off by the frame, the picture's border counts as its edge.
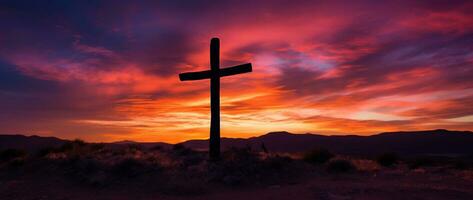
(385, 184)
(83, 171)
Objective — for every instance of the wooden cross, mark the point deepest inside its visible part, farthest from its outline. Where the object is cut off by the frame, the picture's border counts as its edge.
(214, 75)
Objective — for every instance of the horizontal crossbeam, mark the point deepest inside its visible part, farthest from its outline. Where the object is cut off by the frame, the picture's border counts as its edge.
(191, 76)
(239, 69)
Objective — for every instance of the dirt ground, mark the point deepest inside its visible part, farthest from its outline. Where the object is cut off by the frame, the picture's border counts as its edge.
(384, 184)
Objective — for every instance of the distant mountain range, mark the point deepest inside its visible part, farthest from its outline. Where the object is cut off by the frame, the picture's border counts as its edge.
(432, 142)
(437, 142)
(29, 143)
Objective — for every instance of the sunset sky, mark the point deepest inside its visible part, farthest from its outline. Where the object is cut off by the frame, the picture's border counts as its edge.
(108, 70)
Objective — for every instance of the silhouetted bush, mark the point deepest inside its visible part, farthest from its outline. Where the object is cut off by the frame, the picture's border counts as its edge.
(421, 162)
(87, 166)
(134, 147)
(340, 166)
(156, 148)
(277, 162)
(10, 154)
(318, 156)
(44, 151)
(181, 150)
(387, 159)
(131, 168)
(191, 158)
(239, 154)
(84, 170)
(79, 142)
(70, 147)
(97, 146)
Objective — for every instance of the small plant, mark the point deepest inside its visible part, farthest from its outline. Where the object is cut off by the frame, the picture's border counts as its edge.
(318, 156)
(340, 166)
(387, 159)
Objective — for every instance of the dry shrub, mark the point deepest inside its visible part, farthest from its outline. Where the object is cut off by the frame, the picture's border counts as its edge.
(365, 165)
(318, 156)
(242, 166)
(340, 166)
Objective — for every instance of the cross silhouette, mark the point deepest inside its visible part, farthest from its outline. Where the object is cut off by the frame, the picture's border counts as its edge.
(214, 75)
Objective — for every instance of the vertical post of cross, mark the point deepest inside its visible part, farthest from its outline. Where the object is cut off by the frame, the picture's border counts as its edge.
(214, 75)
(214, 143)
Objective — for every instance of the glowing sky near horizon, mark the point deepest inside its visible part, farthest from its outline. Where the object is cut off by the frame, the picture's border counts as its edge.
(107, 70)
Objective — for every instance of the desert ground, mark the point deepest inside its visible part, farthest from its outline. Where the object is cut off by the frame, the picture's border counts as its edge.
(79, 170)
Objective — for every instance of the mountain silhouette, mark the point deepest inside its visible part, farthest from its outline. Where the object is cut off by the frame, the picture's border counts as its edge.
(29, 143)
(435, 142)
(143, 144)
(430, 142)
